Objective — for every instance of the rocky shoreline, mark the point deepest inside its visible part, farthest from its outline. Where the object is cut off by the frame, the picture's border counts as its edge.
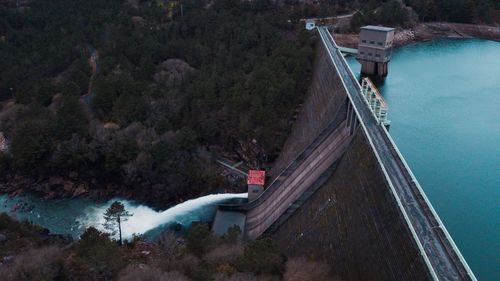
(430, 31)
(56, 187)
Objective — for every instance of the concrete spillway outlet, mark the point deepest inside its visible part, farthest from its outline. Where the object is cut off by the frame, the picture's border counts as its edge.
(227, 219)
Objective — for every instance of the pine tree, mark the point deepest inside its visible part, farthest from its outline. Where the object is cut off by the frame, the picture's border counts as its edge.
(114, 216)
(70, 118)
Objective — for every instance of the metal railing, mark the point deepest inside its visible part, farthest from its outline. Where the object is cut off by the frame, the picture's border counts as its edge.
(375, 101)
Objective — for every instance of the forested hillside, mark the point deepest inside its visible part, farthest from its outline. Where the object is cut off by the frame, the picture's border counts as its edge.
(402, 12)
(135, 93)
(136, 96)
(30, 253)
(465, 11)
(406, 13)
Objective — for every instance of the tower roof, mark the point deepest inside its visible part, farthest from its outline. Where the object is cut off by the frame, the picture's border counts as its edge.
(256, 177)
(377, 28)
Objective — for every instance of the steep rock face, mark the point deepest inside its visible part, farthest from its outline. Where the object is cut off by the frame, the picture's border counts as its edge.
(4, 146)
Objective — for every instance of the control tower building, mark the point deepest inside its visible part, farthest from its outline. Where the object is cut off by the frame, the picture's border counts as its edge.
(375, 49)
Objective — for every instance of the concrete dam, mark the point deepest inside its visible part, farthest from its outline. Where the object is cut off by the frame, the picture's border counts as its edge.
(341, 191)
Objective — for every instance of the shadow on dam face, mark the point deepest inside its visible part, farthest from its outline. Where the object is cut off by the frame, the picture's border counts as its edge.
(326, 95)
(352, 220)
(353, 223)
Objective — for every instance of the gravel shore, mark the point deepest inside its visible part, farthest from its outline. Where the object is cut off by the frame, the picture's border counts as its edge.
(430, 31)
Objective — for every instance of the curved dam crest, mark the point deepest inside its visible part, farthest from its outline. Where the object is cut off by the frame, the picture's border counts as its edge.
(352, 221)
(444, 97)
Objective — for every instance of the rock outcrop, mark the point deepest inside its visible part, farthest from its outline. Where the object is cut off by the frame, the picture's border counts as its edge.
(4, 145)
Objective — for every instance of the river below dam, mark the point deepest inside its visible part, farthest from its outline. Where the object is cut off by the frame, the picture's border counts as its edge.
(444, 107)
(73, 216)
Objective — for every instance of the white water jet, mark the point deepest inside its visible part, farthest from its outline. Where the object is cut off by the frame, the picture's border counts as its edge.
(144, 218)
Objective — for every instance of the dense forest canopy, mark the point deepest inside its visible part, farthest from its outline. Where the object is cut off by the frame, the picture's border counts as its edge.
(406, 13)
(133, 93)
(140, 94)
(465, 11)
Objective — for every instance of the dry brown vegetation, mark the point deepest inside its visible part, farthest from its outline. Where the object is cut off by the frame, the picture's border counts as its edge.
(243, 277)
(224, 253)
(147, 273)
(28, 252)
(35, 264)
(300, 269)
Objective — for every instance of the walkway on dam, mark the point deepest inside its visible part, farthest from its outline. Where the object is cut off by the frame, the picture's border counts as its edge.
(438, 249)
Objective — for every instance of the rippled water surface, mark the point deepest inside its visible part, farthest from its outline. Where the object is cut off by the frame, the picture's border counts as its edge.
(444, 105)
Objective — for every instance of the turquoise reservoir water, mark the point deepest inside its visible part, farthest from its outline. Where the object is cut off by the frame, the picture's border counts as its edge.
(444, 105)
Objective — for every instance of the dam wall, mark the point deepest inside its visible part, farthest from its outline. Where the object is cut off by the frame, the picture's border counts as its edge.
(352, 220)
(321, 135)
(342, 193)
(353, 223)
(293, 183)
(325, 97)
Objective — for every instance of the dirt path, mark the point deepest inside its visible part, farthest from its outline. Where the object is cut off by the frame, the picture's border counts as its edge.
(93, 62)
